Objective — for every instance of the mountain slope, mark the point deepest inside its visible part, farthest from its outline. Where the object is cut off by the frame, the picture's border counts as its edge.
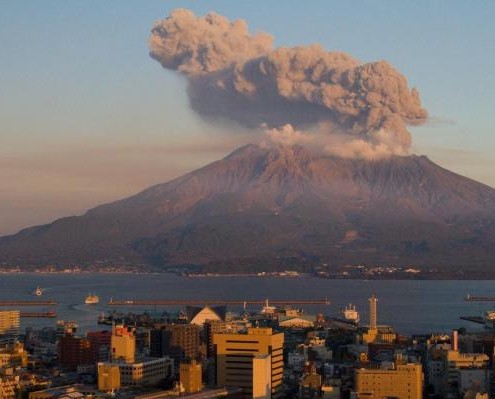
(262, 206)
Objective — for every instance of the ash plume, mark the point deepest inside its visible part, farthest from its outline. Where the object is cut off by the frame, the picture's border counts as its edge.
(237, 76)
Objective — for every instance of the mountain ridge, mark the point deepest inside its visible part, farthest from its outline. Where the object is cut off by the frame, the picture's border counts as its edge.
(280, 205)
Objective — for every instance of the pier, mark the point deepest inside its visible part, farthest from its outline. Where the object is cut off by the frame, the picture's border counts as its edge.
(474, 298)
(50, 302)
(205, 302)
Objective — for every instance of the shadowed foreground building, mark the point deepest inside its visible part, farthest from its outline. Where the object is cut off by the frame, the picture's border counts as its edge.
(244, 359)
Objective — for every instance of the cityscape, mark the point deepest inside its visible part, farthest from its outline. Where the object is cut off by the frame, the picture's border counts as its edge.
(207, 351)
(247, 200)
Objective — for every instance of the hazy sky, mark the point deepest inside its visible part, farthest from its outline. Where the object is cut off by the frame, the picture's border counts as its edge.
(86, 116)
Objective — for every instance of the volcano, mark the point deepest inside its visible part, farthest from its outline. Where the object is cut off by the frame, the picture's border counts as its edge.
(259, 209)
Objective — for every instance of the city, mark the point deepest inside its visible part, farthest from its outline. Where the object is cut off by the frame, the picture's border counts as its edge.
(209, 352)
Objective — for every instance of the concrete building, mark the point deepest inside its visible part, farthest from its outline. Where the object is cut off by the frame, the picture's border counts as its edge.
(262, 377)
(404, 382)
(179, 341)
(197, 315)
(74, 351)
(235, 354)
(191, 377)
(108, 377)
(102, 340)
(123, 344)
(146, 372)
(9, 325)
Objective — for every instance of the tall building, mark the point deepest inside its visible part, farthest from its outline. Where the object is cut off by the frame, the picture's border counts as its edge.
(108, 377)
(262, 377)
(180, 341)
(404, 382)
(373, 316)
(191, 377)
(102, 340)
(9, 325)
(123, 344)
(235, 354)
(74, 351)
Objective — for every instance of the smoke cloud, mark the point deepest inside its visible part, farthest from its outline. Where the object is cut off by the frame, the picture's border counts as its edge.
(363, 107)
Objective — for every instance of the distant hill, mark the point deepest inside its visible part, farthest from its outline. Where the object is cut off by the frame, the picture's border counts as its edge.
(274, 208)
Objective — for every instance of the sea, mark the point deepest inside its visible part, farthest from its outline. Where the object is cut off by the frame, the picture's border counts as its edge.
(410, 306)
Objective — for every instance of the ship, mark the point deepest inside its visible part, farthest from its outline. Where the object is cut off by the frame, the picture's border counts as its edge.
(489, 318)
(38, 291)
(92, 299)
(350, 314)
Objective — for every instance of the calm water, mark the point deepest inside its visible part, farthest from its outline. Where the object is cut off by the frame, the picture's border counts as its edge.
(410, 306)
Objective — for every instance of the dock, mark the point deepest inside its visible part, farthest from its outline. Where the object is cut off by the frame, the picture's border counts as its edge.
(474, 319)
(49, 302)
(205, 302)
(474, 298)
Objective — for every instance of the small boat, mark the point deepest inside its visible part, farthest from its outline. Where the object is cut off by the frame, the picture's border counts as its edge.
(350, 314)
(92, 299)
(38, 291)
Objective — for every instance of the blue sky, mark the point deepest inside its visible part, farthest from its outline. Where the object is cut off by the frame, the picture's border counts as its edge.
(86, 116)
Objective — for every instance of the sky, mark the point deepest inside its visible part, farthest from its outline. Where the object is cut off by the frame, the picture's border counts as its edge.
(87, 117)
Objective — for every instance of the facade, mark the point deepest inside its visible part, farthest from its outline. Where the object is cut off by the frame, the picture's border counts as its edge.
(235, 354)
(102, 340)
(108, 377)
(405, 382)
(191, 377)
(146, 372)
(9, 324)
(123, 344)
(75, 351)
(262, 377)
(180, 341)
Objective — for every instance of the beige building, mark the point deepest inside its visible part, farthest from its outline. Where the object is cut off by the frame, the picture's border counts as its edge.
(404, 382)
(235, 354)
(123, 344)
(262, 377)
(191, 378)
(108, 377)
(9, 323)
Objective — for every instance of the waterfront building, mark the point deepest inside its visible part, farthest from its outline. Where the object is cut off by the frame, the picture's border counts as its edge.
(235, 354)
(197, 315)
(191, 378)
(405, 381)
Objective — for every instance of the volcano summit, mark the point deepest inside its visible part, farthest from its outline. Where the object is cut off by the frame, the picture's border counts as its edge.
(261, 209)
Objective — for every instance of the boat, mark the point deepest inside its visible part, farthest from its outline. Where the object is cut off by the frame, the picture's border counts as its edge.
(92, 299)
(38, 291)
(489, 318)
(350, 314)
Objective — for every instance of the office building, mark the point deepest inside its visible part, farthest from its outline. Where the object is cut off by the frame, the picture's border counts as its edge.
(9, 325)
(108, 377)
(123, 344)
(74, 351)
(405, 382)
(235, 354)
(191, 379)
(179, 341)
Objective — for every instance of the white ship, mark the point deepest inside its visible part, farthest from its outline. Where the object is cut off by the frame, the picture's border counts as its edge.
(350, 314)
(38, 291)
(489, 318)
(92, 299)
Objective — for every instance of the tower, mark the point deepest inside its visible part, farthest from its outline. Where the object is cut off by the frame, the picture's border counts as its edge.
(373, 318)
(123, 343)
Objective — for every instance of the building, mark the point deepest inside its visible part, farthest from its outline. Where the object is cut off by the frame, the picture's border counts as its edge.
(404, 382)
(145, 372)
(197, 315)
(235, 354)
(180, 341)
(102, 340)
(262, 377)
(108, 377)
(123, 344)
(191, 377)
(74, 351)
(9, 325)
